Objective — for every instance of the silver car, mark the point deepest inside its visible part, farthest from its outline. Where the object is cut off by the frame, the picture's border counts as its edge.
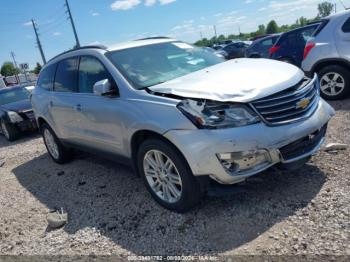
(181, 116)
(328, 55)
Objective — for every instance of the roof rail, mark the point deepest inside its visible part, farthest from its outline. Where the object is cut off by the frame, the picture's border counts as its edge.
(80, 48)
(153, 37)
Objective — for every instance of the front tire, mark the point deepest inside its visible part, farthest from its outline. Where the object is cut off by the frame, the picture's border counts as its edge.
(10, 131)
(57, 151)
(334, 82)
(167, 176)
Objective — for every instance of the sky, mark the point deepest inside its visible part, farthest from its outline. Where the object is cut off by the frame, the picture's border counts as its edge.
(109, 21)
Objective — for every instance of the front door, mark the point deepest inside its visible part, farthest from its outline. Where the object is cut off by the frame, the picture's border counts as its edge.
(99, 117)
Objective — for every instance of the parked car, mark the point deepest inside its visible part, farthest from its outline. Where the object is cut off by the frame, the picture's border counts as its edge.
(179, 115)
(260, 48)
(235, 50)
(16, 114)
(218, 47)
(219, 53)
(328, 54)
(290, 46)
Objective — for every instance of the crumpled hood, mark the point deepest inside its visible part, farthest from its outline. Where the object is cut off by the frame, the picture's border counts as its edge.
(240, 80)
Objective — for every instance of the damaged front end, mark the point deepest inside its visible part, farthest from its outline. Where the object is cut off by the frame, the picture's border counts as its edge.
(206, 114)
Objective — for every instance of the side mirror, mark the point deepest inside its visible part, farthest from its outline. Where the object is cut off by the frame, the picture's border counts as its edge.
(103, 88)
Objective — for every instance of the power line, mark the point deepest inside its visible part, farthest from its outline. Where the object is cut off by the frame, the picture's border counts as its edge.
(54, 25)
(13, 23)
(56, 12)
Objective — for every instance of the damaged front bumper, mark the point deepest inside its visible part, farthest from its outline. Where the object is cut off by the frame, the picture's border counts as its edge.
(229, 156)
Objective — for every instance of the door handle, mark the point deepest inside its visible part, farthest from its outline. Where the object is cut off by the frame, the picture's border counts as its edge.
(78, 108)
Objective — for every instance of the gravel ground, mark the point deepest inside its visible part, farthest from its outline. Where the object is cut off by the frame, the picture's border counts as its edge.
(110, 212)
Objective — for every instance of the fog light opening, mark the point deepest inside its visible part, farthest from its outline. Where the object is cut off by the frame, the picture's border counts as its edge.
(237, 162)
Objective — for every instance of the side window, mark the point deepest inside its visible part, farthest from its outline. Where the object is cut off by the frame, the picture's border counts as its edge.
(307, 34)
(267, 42)
(346, 26)
(46, 77)
(66, 79)
(91, 70)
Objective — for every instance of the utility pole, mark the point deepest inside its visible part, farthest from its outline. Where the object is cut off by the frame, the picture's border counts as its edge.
(73, 26)
(15, 63)
(38, 42)
(201, 34)
(216, 35)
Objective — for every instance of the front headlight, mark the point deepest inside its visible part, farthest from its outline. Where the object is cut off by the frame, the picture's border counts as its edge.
(212, 115)
(14, 117)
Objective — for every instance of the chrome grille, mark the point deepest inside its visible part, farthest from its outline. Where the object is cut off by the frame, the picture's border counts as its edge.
(290, 105)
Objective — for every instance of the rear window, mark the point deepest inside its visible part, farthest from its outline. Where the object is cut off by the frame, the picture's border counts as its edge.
(346, 26)
(322, 25)
(46, 77)
(298, 37)
(268, 42)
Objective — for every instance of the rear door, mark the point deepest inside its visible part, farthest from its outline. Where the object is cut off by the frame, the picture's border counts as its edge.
(343, 39)
(62, 105)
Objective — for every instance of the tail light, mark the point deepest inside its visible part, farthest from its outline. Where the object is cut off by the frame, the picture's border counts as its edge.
(308, 48)
(273, 50)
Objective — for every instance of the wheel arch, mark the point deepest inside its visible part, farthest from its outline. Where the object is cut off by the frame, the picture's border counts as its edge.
(40, 121)
(329, 62)
(142, 135)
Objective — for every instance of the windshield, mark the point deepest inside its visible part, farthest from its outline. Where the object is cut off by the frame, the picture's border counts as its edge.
(150, 65)
(13, 95)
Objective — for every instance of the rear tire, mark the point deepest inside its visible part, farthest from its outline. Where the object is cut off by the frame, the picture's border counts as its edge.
(10, 131)
(177, 173)
(334, 82)
(57, 151)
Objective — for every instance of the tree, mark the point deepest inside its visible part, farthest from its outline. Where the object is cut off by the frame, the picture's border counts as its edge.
(37, 68)
(325, 9)
(261, 30)
(272, 27)
(302, 21)
(8, 69)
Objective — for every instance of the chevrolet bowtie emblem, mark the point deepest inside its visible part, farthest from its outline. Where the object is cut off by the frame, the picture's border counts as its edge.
(302, 104)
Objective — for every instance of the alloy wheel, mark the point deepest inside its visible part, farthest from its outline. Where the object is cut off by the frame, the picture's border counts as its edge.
(51, 144)
(332, 84)
(162, 176)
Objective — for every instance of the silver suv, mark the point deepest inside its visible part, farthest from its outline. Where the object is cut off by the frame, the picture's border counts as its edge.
(328, 54)
(181, 116)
